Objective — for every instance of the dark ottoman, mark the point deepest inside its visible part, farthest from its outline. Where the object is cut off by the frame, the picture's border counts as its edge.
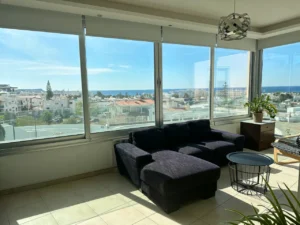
(175, 178)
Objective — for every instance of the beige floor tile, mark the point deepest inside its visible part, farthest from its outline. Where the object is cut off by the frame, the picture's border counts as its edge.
(4, 222)
(4, 204)
(60, 196)
(145, 222)
(27, 213)
(290, 169)
(126, 216)
(73, 214)
(178, 217)
(147, 209)
(90, 188)
(45, 220)
(58, 191)
(63, 202)
(93, 221)
(3, 219)
(22, 199)
(199, 222)
(106, 203)
(221, 213)
(200, 208)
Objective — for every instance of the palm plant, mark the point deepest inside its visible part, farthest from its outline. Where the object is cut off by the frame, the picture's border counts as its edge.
(276, 215)
(262, 104)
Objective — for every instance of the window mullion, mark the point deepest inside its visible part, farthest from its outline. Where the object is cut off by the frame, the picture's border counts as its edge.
(158, 90)
(211, 83)
(84, 81)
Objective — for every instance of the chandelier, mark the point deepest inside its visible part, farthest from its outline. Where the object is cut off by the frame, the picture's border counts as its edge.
(234, 26)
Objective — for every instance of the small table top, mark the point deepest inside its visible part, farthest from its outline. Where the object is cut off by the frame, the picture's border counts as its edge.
(250, 159)
(263, 122)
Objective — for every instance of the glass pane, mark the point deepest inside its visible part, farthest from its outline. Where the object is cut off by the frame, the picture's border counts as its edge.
(186, 75)
(121, 83)
(231, 82)
(40, 85)
(281, 81)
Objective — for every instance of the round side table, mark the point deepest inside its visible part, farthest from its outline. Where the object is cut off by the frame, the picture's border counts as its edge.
(249, 172)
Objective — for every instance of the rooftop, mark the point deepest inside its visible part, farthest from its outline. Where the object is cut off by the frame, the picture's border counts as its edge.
(141, 102)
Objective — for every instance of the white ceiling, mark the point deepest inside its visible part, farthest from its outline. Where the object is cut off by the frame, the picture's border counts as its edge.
(268, 17)
(262, 12)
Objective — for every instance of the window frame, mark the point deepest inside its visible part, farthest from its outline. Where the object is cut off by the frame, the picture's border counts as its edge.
(16, 147)
(250, 91)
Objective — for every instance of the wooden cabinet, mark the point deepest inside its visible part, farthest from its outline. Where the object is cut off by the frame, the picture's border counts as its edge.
(259, 136)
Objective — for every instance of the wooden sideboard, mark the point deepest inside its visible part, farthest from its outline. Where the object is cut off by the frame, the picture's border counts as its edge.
(259, 136)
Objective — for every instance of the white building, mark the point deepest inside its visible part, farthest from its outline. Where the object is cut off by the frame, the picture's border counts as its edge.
(56, 103)
(9, 103)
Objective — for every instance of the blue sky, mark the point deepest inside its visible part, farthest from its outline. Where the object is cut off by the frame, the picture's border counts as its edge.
(29, 59)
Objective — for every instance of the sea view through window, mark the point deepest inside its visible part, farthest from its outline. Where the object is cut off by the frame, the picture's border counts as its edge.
(281, 81)
(41, 96)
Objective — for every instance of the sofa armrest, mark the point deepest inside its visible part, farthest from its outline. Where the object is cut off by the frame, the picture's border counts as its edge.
(237, 139)
(137, 155)
(131, 160)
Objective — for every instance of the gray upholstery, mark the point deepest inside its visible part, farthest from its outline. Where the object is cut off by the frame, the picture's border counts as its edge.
(178, 162)
(178, 172)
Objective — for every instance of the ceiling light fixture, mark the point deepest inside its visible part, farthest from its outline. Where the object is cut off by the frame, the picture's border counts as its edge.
(234, 26)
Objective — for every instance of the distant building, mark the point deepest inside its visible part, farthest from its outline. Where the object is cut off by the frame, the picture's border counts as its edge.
(30, 102)
(56, 103)
(140, 110)
(7, 88)
(9, 103)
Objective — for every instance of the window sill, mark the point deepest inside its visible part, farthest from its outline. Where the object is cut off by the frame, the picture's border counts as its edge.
(57, 143)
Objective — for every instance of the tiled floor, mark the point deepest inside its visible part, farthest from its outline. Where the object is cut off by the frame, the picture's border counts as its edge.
(110, 199)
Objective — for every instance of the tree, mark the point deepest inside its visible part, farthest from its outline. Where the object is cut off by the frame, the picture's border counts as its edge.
(175, 95)
(66, 113)
(8, 116)
(79, 108)
(99, 94)
(71, 120)
(186, 95)
(49, 94)
(95, 111)
(283, 97)
(47, 117)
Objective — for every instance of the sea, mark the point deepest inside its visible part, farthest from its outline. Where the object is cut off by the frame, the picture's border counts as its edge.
(149, 91)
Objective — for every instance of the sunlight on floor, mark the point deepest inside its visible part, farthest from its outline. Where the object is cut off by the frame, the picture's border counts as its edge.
(110, 199)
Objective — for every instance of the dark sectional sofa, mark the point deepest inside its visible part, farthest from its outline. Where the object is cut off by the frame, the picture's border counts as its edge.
(178, 162)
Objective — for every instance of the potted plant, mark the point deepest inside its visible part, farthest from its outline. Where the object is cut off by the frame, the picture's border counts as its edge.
(259, 105)
(276, 214)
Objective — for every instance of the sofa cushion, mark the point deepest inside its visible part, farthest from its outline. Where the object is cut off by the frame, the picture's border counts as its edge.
(220, 150)
(150, 140)
(178, 173)
(197, 150)
(200, 130)
(176, 134)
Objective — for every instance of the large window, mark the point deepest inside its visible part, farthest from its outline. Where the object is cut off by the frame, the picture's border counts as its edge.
(231, 82)
(281, 81)
(121, 83)
(186, 76)
(40, 85)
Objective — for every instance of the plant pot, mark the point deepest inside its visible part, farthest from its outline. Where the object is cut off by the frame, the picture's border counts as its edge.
(257, 117)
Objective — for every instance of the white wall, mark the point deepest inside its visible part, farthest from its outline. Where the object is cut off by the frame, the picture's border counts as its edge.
(40, 166)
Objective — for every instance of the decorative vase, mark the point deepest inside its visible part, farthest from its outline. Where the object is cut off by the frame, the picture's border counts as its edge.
(298, 141)
(257, 117)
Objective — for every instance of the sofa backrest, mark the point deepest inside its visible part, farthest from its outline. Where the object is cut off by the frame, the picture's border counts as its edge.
(171, 135)
(176, 134)
(150, 139)
(199, 130)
